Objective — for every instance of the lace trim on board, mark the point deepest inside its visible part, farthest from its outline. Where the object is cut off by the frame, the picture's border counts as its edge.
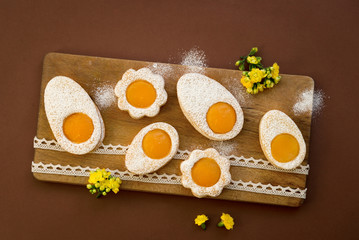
(181, 154)
(167, 179)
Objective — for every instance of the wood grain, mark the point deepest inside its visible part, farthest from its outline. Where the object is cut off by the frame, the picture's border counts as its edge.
(94, 72)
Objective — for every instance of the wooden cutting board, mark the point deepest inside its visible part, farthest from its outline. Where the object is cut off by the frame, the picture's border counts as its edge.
(94, 72)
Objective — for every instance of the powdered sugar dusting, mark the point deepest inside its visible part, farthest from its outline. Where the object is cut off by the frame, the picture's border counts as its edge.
(309, 100)
(104, 96)
(195, 60)
(318, 102)
(165, 70)
(234, 85)
(224, 148)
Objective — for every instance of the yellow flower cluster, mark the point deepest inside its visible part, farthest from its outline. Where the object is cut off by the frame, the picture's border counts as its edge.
(101, 182)
(226, 221)
(257, 79)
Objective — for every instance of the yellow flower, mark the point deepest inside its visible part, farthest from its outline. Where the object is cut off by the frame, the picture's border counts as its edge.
(253, 51)
(275, 71)
(200, 219)
(253, 60)
(246, 82)
(226, 221)
(113, 184)
(105, 174)
(276, 80)
(96, 177)
(256, 75)
(260, 87)
(102, 182)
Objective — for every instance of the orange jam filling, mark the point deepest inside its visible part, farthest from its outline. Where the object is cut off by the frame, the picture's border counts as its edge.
(156, 144)
(221, 117)
(285, 148)
(78, 127)
(206, 172)
(141, 94)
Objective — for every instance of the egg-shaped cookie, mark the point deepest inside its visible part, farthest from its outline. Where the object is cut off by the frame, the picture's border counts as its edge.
(209, 107)
(152, 148)
(281, 140)
(74, 118)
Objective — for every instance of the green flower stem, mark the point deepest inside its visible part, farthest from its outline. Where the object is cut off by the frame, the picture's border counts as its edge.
(99, 194)
(203, 226)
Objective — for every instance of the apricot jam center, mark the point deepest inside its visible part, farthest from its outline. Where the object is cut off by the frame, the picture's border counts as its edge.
(156, 144)
(78, 127)
(284, 147)
(206, 172)
(141, 94)
(221, 117)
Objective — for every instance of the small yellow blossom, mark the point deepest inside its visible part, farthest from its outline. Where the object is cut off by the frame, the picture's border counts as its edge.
(253, 60)
(260, 87)
(200, 219)
(275, 71)
(246, 82)
(113, 184)
(226, 221)
(96, 177)
(256, 75)
(253, 50)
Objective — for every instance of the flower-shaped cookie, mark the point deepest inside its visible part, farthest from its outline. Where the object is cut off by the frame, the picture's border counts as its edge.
(141, 93)
(205, 173)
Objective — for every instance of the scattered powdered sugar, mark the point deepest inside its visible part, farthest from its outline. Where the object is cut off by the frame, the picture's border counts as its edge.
(225, 148)
(234, 85)
(308, 100)
(318, 102)
(104, 96)
(195, 60)
(165, 70)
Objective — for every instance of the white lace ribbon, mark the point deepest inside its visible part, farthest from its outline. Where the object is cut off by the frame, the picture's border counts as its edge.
(167, 179)
(181, 154)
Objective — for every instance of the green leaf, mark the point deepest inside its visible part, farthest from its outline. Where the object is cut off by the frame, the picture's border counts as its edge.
(241, 67)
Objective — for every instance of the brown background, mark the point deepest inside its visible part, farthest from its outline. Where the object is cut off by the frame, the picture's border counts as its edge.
(314, 38)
